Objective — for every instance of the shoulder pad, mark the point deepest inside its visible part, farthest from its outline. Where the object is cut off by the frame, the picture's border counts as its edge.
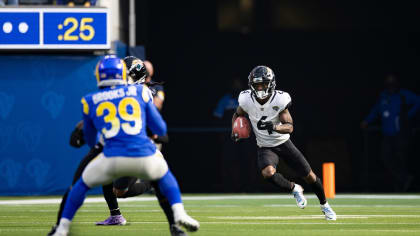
(146, 94)
(282, 99)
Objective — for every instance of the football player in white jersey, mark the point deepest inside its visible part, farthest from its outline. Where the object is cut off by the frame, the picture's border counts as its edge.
(268, 111)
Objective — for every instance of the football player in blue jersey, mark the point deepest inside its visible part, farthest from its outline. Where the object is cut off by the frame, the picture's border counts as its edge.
(129, 187)
(140, 73)
(126, 186)
(121, 113)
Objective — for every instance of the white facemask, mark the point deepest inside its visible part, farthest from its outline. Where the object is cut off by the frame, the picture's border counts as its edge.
(261, 94)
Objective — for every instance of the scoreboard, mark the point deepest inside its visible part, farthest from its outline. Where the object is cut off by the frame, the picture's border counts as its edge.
(54, 28)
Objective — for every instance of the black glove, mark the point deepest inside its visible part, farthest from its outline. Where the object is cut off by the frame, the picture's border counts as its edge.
(162, 139)
(269, 126)
(76, 138)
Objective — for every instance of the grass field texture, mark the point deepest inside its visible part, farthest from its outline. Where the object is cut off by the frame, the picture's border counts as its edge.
(262, 214)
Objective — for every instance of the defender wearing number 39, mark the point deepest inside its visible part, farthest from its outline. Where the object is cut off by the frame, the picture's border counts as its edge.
(121, 114)
(268, 111)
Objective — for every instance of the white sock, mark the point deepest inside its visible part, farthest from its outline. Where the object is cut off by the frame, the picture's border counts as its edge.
(178, 208)
(295, 188)
(64, 225)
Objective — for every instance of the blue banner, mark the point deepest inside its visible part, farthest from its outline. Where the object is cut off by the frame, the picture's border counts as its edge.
(39, 107)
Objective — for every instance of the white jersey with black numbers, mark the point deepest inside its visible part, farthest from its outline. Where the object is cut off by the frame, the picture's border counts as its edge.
(269, 111)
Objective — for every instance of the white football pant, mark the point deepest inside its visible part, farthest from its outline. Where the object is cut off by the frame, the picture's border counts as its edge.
(102, 170)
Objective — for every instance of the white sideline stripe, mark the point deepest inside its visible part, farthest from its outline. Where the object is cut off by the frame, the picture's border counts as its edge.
(282, 217)
(202, 198)
(301, 223)
(234, 223)
(139, 208)
(305, 217)
(343, 205)
(58, 200)
(383, 230)
(377, 196)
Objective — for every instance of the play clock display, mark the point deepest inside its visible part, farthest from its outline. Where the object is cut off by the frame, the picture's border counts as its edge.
(54, 28)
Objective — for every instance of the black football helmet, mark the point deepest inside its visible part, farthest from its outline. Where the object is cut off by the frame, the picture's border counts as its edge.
(262, 74)
(136, 69)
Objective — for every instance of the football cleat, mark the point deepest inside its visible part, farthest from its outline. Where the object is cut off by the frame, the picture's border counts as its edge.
(60, 232)
(187, 222)
(113, 220)
(52, 231)
(328, 212)
(182, 219)
(176, 231)
(62, 229)
(298, 195)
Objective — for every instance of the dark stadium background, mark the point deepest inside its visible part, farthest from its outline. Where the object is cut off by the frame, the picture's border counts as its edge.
(331, 56)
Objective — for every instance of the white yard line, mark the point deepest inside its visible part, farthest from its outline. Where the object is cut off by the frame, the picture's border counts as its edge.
(203, 198)
(305, 217)
(240, 223)
(377, 196)
(344, 205)
(383, 230)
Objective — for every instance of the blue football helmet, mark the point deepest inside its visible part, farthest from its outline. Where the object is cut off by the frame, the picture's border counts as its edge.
(111, 71)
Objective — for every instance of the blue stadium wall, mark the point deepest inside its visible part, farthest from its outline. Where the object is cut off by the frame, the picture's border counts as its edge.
(39, 107)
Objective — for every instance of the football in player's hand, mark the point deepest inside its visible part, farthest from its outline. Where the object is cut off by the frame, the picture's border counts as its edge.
(241, 128)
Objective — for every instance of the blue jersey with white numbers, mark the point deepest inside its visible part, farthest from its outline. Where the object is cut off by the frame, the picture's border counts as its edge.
(121, 114)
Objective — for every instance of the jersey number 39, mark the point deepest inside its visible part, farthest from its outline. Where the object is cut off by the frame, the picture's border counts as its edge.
(127, 119)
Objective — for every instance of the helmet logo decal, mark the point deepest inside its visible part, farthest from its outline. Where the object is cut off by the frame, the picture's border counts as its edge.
(136, 69)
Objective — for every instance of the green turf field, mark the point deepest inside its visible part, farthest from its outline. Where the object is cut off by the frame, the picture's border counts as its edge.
(228, 215)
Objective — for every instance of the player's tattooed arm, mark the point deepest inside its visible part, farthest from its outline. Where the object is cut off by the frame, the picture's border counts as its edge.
(286, 126)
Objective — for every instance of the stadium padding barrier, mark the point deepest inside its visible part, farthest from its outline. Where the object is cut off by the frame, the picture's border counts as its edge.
(39, 107)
